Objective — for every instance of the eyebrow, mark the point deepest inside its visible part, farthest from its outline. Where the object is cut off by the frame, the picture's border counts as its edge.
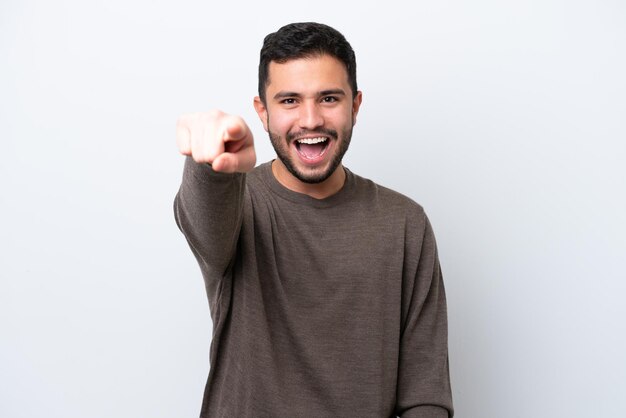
(286, 94)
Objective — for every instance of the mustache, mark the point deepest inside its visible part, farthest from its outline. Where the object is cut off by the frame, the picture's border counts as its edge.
(320, 132)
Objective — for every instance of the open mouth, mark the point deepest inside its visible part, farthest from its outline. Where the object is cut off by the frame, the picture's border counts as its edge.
(312, 148)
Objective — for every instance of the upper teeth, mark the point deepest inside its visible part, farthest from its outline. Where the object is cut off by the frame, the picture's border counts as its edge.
(311, 140)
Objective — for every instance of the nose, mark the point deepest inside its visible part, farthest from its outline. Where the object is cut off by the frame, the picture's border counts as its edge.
(310, 116)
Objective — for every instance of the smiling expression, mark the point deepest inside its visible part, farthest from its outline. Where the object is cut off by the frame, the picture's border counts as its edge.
(309, 115)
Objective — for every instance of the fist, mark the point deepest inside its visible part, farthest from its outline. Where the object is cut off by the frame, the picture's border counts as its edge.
(214, 137)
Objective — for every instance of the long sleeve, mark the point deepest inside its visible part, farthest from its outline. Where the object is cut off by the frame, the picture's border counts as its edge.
(423, 376)
(208, 210)
(320, 307)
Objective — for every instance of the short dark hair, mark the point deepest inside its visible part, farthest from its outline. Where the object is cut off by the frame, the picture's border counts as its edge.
(305, 40)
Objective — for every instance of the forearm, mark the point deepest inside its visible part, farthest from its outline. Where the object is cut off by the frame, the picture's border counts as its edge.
(208, 210)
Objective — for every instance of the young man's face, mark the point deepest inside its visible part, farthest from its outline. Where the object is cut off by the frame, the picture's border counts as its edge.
(309, 114)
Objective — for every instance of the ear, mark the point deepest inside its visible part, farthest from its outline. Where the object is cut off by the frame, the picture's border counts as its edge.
(261, 110)
(356, 104)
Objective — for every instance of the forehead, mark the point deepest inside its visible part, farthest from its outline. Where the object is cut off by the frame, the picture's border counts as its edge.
(319, 72)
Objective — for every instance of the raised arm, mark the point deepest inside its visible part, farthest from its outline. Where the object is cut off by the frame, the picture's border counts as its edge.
(209, 204)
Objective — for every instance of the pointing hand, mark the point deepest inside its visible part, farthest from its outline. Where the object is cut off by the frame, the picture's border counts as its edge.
(214, 137)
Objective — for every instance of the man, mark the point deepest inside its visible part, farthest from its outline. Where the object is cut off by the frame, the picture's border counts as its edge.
(324, 288)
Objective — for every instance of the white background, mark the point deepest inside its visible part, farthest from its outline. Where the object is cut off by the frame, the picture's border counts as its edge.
(505, 120)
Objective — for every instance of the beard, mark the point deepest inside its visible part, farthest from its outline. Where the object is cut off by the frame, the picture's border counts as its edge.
(281, 146)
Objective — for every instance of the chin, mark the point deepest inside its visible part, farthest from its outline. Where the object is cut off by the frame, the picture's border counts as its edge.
(313, 176)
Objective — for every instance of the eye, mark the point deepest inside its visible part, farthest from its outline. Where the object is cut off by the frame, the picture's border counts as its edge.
(288, 101)
(329, 99)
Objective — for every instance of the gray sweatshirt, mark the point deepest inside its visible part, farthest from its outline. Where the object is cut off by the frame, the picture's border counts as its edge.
(320, 308)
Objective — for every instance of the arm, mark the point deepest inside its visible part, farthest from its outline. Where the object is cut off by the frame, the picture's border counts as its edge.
(208, 209)
(423, 376)
(209, 204)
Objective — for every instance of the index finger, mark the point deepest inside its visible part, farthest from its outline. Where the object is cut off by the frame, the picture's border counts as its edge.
(235, 129)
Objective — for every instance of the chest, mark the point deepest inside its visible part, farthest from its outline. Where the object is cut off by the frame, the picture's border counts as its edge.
(351, 255)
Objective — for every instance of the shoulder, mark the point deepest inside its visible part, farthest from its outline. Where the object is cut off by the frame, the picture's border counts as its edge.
(394, 214)
(388, 200)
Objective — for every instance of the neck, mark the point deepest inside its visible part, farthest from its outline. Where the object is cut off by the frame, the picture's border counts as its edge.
(322, 190)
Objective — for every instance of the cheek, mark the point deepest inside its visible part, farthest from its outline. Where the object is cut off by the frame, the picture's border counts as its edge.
(280, 122)
(341, 120)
